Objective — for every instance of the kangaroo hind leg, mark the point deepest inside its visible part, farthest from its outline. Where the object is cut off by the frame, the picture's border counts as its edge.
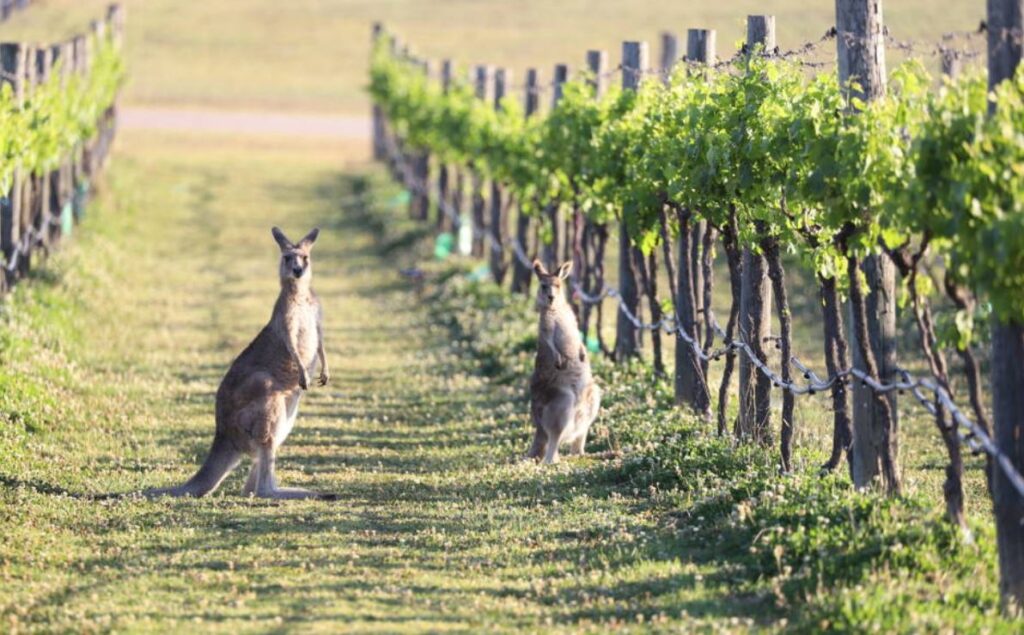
(539, 445)
(557, 421)
(276, 413)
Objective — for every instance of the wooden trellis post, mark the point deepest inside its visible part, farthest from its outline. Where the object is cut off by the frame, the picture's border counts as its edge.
(1005, 27)
(521, 273)
(379, 152)
(627, 335)
(552, 251)
(13, 63)
(861, 57)
(483, 84)
(419, 203)
(443, 194)
(690, 372)
(755, 300)
(499, 199)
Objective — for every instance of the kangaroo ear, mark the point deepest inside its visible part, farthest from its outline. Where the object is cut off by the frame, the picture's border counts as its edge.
(565, 270)
(282, 240)
(309, 239)
(538, 268)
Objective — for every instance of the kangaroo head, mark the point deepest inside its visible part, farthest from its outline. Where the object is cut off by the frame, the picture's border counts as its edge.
(550, 293)
(295, 257)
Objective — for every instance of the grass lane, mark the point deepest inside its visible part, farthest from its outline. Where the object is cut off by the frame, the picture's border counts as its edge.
(109, 363)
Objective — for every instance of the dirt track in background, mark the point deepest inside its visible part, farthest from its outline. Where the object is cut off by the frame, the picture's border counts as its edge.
(245, 122)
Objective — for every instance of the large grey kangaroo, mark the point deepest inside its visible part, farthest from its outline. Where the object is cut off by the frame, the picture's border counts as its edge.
(258, 399)
(564, 400)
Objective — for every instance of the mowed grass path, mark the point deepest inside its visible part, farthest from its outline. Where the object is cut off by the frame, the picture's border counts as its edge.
(110, 359)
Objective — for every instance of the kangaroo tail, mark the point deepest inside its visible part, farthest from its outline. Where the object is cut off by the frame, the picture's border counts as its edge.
(223, 458)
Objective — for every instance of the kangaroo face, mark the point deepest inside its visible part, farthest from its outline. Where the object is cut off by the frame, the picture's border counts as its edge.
(550, 294)
(296, 262)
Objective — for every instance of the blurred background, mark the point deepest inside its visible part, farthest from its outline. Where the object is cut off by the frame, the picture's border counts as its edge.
(311, 56)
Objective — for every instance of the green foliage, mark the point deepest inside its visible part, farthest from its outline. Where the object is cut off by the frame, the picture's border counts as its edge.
(975, 164)
(56, 116)
(761, 144)
(810, 547)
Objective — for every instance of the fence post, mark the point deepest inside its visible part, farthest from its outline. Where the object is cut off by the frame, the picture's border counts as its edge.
(597, 64)
(115, 23)
(590, 265)
(1005, 25)
(79, 169)
(499, 200)
(861, 57)
(43, 64)
(442, 167)
(552, 250)
(627, 336)
(690, 381)
(482, 84)
(696, 51)
(13, 61)
(521, 273)
(377, 113)
(420, 201)
(669, 54)
(755, 299)
(62, 185)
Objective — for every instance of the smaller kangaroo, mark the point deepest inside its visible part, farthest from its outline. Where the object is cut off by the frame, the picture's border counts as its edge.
(258, 399)
(564, 400)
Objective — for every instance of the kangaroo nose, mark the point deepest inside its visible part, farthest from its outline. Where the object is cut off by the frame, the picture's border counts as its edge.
(297, 271)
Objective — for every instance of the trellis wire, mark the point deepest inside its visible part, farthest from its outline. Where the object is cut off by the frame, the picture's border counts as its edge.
(799, 52)
(970, 433)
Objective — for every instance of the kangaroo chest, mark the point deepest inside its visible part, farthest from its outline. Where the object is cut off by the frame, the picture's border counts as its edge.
(302, 321)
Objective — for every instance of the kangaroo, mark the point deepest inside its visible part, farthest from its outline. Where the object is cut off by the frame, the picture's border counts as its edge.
(258, 399)
(564, 400)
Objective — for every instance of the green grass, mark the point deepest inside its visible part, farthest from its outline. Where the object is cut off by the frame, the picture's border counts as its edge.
(110, 357)
(313, 54)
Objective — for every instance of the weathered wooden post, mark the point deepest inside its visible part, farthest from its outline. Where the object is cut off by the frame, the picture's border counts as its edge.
(597, 64)
(552, 251)
(13, 64)
(669, 53)
(98, 32)
(419, 202)
(379, 151)
(442, 168)
(1005, 28)
(43, 63)
(627, 335)
(755, 299)
(700, 48)
(116, 19)
(595, 237)
(483, 84)
(874, 451)
(690, 381)
(60, 62)
(499, 201)
(521, 274)
(80, 173)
